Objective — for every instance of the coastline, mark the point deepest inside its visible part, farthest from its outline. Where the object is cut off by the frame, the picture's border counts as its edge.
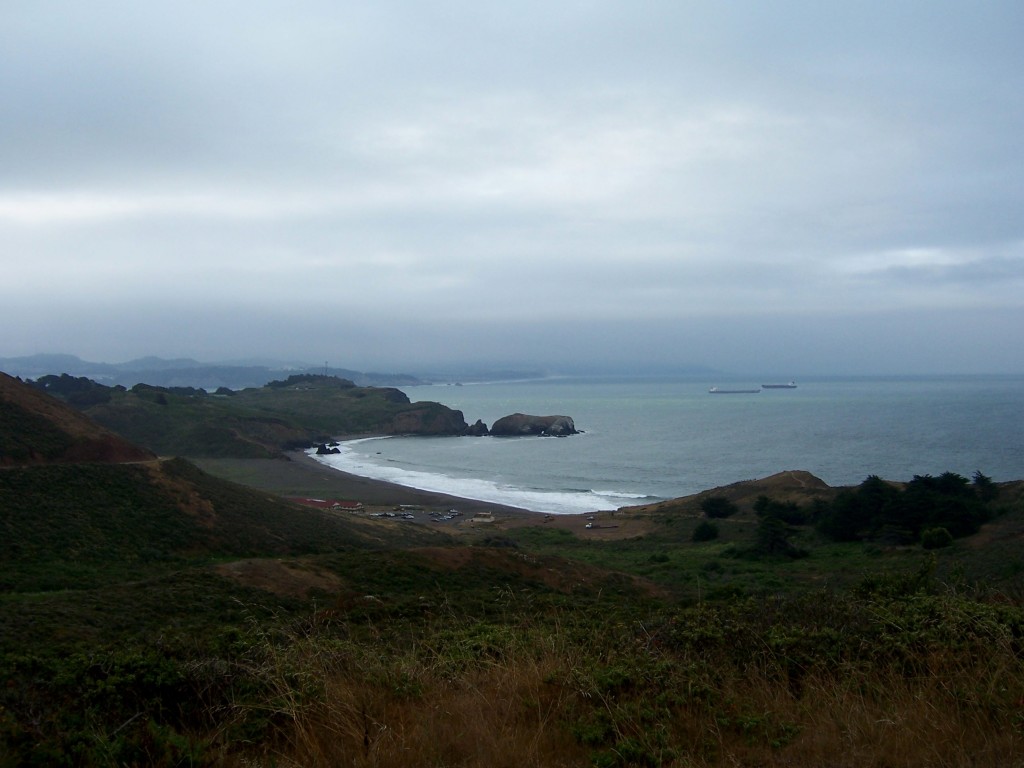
(300, 475)
(373, 492)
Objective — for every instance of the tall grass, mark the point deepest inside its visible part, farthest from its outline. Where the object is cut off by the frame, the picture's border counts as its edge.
(699, 688)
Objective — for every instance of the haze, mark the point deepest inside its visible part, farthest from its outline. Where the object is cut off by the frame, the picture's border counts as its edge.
(793, 187)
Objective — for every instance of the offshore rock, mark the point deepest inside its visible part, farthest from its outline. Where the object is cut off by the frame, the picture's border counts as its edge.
(523, 424)
(477, 430)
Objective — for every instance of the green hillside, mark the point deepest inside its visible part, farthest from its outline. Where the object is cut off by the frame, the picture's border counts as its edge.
(35, 428)
(251, 423)
(73, 526)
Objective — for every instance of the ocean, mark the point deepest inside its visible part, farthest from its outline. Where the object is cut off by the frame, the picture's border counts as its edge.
(646, 440)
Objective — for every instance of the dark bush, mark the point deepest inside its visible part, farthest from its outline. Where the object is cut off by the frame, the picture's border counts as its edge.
(936, 538)
(788, 512)
(718, 507)
(881, 511)
(705, 531)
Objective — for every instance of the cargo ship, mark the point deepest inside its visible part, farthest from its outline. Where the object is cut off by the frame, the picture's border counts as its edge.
(790, 385)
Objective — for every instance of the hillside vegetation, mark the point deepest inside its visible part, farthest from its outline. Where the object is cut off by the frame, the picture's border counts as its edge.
(35, 428)
(151, 614)
(257, 422)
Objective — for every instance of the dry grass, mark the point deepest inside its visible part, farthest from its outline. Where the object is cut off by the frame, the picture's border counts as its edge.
(554, 698)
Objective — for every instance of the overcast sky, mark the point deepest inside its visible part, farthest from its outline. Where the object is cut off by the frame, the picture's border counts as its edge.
(791, 187)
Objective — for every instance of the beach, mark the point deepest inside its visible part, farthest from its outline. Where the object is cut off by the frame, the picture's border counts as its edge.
(301, 476)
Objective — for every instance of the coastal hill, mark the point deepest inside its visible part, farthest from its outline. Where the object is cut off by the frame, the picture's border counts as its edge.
(35, 428)
(796, 486)
(68, 485)
(257, 422)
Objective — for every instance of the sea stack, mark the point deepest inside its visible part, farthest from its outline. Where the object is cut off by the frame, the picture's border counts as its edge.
(519, 424)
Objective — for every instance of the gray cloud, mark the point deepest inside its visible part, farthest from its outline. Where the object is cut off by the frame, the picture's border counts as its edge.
(658, 182)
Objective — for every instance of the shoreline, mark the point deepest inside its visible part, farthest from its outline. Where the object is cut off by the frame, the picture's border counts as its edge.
(611, 524)
(373, 492)
(460, 482)
(299, 475)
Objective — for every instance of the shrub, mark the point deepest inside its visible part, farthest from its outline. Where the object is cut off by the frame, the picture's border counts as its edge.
(771, 539)
(718, 507)
(788, 512)
(936, 538)
(705, 531)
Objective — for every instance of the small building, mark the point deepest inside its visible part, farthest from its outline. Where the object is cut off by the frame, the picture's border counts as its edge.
(336, 505)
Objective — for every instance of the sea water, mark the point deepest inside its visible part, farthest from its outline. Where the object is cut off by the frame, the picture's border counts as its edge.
(645, 440)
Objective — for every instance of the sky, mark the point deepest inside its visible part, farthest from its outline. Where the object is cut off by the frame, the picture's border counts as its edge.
(790, 187)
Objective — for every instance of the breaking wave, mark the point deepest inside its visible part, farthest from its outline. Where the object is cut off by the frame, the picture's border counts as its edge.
(565, 502)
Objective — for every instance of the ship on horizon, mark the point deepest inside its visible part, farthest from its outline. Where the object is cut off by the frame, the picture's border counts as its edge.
(718, 391)
(790, 385)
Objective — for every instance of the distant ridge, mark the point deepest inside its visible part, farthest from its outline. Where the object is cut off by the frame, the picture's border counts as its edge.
(186, 372)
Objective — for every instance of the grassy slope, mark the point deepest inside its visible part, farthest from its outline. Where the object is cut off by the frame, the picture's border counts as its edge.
(37, 428)
(256, 423)
(69, 526)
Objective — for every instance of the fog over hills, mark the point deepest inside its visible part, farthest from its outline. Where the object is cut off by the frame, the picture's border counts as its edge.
(255, 372)
(186, 372)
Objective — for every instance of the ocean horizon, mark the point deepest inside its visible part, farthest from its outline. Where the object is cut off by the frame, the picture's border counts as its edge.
(649, 439)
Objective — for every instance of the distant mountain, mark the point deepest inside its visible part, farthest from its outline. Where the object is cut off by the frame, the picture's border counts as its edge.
(34, 366)
(186, 372)
(151, 363)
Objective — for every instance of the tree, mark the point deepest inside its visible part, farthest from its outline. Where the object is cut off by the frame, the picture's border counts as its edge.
(718, 507)
(772, 539)
(879, 510)
(787, 511)
(843, 520)
(984, 488)
(864, 511)
(705, 531)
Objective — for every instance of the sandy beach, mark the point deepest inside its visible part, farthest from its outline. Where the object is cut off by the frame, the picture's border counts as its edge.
(299, 475)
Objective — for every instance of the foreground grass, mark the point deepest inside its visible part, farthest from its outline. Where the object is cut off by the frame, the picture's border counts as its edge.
(825, 679)
(154, 615)
(924, 680)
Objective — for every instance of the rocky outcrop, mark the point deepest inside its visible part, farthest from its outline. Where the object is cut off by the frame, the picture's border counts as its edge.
(522, 424)
(428, 419)
(477, 430)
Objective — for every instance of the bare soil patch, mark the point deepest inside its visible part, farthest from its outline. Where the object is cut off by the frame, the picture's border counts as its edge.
(287, 578)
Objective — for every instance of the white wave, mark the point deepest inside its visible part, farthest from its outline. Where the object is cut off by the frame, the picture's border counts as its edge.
(622, 495)
(550, 502)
